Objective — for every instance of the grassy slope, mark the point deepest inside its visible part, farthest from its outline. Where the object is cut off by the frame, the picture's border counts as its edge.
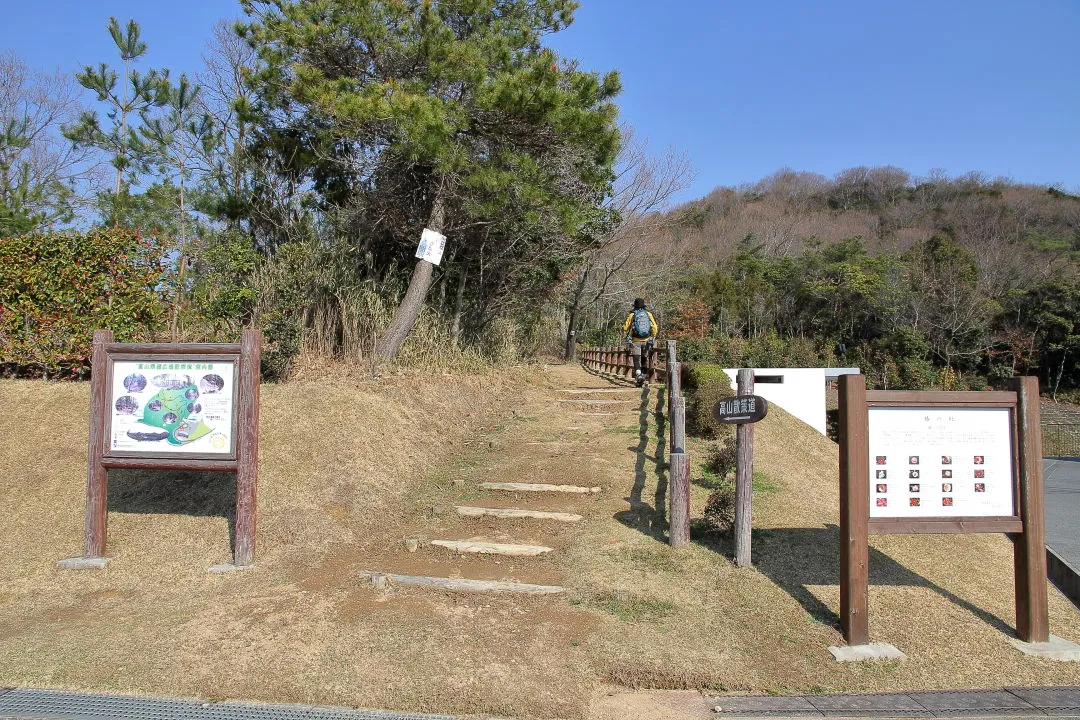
(946, 601)
(349, 470)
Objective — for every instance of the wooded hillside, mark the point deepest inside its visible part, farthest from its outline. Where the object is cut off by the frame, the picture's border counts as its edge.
(923, 282)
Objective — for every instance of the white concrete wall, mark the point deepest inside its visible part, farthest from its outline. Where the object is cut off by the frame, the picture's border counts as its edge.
(802, 392)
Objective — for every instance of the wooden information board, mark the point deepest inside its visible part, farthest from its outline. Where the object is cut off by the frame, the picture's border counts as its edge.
(168, 406)
(941, 462)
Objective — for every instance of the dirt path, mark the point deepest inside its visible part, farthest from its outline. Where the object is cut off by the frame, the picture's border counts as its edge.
(568, 434)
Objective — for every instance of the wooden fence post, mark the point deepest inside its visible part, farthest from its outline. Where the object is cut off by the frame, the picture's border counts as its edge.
(854, 509)
(1029, 554)
(679, 480)
(97, 476)
(744, 476)
(674, 370)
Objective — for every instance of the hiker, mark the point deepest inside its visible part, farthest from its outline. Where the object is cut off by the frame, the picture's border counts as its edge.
(640, 329)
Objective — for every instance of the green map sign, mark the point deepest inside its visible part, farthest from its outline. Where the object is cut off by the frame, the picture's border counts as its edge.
(164, 407)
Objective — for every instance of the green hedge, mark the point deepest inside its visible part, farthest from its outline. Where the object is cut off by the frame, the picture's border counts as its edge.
(57, 288)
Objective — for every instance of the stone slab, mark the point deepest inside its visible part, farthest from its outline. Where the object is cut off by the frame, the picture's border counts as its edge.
(537, 487)
(593, 402)
(583, 391)
(1055, 649)
(490, 548)
(862, 653)
(227, 568)
(83, 563)
(516, 513)
(460, 584)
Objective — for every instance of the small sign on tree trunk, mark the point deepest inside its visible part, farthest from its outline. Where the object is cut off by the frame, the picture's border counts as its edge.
(431, 246)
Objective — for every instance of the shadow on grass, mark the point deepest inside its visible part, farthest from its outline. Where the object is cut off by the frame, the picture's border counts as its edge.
(175, 492)
(796, 559)
(650, 519)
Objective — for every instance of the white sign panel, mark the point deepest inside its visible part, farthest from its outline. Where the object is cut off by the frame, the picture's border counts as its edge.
(166, 407)
(940, 462)
(431, 246)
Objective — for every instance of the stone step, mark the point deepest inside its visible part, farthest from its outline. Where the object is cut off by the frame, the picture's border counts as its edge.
(489, 548)
(385, 580)
(593, 402)
(537, 487)
(515, 513)
(589, 391)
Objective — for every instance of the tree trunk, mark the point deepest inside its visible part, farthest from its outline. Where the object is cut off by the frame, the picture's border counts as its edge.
(174, 320)
(575, 311)
(390, 343)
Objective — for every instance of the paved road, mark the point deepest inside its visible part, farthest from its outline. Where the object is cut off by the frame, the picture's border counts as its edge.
(1062, 481)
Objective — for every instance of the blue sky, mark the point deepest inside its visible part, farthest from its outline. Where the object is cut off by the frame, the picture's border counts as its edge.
(745, 88)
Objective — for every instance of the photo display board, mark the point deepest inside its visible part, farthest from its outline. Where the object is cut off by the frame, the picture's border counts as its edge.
(172, 407)
(940, 462)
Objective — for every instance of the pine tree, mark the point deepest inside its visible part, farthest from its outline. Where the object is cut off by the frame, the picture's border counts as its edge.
(127, 101)
(450, 111)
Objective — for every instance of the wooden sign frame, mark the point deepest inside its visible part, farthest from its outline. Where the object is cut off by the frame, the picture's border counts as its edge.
(243, 458)
(1026, 528)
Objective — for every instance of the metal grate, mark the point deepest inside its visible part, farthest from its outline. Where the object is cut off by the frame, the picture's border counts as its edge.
(990, 703)
(868, 705)
(30, 703)
(1052, 700)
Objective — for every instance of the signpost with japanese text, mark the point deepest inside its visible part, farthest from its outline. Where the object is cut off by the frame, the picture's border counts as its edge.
(165, 406)
(941, 462)
(743, 411)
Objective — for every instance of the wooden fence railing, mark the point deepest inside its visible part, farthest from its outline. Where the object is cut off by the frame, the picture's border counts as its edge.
(661, 364)
(618, 361)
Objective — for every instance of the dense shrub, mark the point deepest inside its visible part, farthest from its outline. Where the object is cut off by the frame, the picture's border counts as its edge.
(719, 511)
(722, 456)
(57, 288)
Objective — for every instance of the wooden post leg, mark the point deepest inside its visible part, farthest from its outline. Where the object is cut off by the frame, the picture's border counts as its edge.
(247, 464)
(1029, 546)
(854, 509)
(97, 476)
(744, 477)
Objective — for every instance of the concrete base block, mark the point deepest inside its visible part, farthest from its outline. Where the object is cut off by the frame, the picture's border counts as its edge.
(1055, 649)
(83, 563)
(870, 651)
(227, 568)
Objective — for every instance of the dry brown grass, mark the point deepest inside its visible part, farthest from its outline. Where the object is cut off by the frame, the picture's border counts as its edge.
(350, 467)
(946, 601)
